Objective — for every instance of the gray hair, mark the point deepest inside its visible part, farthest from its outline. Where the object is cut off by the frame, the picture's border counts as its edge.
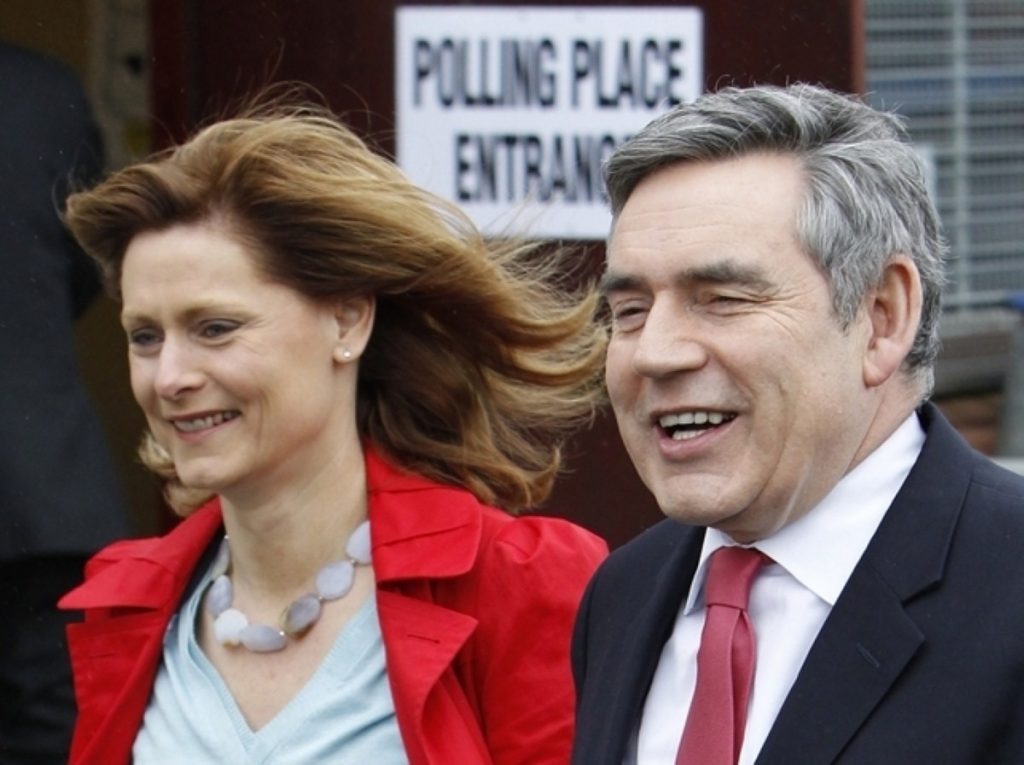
(866, 197)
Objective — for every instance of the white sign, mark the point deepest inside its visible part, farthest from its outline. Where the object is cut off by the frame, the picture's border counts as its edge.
(511, 111)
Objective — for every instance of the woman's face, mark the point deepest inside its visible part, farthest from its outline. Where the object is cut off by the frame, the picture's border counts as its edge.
(244, 381)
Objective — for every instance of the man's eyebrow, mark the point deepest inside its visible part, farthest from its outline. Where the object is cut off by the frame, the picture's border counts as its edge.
(728, 272)
(615, 282)
(719, 272)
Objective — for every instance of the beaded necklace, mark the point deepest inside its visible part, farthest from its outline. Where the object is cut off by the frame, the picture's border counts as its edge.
(334, 581)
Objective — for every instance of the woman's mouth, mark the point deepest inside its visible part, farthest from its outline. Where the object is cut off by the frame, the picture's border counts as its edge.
(193, 424)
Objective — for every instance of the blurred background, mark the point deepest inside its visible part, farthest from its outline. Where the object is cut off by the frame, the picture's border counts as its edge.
(156, 69)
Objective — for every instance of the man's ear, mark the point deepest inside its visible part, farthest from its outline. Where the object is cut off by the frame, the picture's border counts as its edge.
(893, 309)
(354, 317)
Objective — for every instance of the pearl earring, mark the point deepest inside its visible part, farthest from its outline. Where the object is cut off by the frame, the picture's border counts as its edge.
(346, 354)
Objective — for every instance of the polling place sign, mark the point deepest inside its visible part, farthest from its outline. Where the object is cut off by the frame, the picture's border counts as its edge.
(510, 111)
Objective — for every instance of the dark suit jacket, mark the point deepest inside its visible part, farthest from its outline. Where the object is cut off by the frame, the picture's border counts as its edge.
(58, 490)
(920, 661)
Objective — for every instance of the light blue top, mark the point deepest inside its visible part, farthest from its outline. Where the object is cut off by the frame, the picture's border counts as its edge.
(344, 714)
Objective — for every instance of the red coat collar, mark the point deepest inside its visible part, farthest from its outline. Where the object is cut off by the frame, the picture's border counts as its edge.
(439, 540)
(160, 567)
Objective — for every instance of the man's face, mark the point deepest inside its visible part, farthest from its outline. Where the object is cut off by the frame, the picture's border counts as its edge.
(740, 399)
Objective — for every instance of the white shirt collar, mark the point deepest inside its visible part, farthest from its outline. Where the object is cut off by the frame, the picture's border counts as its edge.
(821, 549)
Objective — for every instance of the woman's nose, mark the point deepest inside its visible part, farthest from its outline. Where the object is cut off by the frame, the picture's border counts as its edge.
(177, 370)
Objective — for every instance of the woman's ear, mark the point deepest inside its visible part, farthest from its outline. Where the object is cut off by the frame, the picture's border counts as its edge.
(354, 317)
(894, 312)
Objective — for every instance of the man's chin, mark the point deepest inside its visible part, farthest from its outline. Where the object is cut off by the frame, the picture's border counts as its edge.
(695, 515)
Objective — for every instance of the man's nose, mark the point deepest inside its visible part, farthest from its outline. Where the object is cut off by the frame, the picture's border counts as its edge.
(670, 342)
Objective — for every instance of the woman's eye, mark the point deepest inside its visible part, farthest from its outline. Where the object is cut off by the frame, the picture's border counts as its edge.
(143, 338)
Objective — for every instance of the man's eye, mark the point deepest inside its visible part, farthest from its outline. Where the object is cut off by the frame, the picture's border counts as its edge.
(628, 316)
(726, 300)
(219, 328)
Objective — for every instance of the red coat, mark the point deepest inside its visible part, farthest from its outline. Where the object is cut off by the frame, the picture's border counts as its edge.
(476, 609)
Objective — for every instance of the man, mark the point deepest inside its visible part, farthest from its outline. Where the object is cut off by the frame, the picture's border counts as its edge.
(60, 498)
(773, 280)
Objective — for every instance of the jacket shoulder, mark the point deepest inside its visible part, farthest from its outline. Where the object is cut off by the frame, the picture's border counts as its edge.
(644, 556)
(1005, 485)
(526, 539)
(992, 521)
(989, 492)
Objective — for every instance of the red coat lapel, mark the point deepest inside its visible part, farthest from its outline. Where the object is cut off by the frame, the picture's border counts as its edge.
(131, 592)
(424, 533)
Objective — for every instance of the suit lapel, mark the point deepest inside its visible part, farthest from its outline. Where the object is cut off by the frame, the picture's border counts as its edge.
(616, 687)
(869, 639)
(861, 651)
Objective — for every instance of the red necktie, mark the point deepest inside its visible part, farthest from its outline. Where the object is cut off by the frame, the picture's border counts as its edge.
(725, 662)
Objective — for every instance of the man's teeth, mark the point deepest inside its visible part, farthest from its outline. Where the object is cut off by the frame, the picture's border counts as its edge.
(199, 423)
(687, 425)
(691, 418)
(685, 435)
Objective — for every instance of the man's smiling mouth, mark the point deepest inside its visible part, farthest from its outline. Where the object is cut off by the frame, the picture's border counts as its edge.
(683, 426)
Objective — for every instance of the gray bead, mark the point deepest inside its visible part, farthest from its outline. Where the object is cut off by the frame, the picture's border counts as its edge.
(219, 596)
(228, 626)
(301, 615)
(262, 638)
(335, 580)
(358, 547)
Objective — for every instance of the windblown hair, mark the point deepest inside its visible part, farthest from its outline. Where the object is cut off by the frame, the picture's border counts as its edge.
(866, 197)
(482, 358)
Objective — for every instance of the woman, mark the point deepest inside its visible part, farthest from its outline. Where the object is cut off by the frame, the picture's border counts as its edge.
(317, 343)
